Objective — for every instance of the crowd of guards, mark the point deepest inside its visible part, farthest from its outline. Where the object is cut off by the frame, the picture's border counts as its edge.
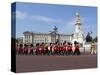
(65, 48)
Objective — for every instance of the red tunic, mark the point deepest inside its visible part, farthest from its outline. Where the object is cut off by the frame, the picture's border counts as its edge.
(30, 49)
(68, 47)
(76, 47)
(42, 47)
(50, 47)
(21, 49)
(60, 48)
(55, 48)
(25, 48)
(37, 48)
(17, 48)
(65, 47)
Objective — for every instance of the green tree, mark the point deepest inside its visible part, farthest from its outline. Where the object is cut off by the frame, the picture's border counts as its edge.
(95, 39)
(89, 38)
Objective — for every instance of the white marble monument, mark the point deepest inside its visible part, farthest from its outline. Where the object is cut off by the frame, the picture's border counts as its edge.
(78, 34)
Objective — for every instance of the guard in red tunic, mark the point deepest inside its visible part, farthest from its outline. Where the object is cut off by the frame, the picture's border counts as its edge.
(21, 49)
(17, 48)
(26, 49)
(70, 49)
(77, 50)
(31, 49)
(55, 49)
(60, 49)
(51, 48)
(37, 49)
(65, 49)
(42, 48)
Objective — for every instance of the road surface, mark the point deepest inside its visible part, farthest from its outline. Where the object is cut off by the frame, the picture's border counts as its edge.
(31, 63)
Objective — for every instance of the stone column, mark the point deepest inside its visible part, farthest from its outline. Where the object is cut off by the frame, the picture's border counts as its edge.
(29, 38)
(24, 39)
(70, 38)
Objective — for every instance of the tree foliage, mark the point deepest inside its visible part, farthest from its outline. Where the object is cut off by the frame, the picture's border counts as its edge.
(95, 39)
(89, 38)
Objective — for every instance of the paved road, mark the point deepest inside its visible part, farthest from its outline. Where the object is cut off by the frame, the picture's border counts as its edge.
(49, 63)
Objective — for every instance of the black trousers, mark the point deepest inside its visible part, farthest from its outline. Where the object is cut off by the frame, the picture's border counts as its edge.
(64, 52)
(76, 52)
(50, 52)
(31, 52)
(20, 52)
(37, 52)
(25, 52)
(70, 52)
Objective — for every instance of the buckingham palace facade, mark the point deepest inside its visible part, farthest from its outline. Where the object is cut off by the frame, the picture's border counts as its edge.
(53, 36)
(33, 38)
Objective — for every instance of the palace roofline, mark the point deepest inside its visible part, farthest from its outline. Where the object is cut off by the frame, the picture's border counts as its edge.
(48, 33)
